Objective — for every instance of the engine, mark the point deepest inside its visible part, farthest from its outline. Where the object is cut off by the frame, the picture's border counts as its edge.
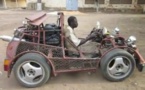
(52, 35)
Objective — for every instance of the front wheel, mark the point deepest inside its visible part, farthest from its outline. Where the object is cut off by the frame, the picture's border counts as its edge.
(117, 65)
(32, 70)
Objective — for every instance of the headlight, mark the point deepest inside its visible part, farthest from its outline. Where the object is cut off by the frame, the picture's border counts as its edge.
(131, 40)
(24, 22)
(116, 31)
(105, 31)
(98, 25)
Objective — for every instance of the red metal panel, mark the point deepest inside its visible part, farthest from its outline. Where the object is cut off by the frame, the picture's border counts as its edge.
(36, 16)
(38, 21)
(11, 49)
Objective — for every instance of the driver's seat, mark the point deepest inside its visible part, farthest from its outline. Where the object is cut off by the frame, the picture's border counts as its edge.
(74, 51)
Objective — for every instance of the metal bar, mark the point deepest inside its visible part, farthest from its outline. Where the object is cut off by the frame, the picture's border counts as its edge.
(78, 59)
(44, 37)
(39, 29)
(62, 33)
(62, 71)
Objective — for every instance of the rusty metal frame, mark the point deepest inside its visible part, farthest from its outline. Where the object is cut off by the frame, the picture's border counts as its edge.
(49, 57)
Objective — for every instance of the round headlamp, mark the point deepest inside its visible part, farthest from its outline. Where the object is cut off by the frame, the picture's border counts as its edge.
(24, 22)
(105, 31)
(131, 40)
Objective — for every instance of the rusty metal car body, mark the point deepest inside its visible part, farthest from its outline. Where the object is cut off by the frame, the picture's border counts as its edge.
(32, 39)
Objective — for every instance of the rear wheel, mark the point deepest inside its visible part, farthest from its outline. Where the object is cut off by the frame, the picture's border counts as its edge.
(32, 70)
(117, 65)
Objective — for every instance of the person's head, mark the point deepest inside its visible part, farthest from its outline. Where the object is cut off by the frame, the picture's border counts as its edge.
(72, 22)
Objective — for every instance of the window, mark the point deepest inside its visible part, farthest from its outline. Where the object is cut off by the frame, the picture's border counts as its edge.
(89, 1)
(141, 2)
(13, 0)
(120, 1)
(101, 1)
(93, 1)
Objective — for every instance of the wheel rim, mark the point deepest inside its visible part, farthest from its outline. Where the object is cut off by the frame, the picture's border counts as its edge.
(31, 72)
(119, 67)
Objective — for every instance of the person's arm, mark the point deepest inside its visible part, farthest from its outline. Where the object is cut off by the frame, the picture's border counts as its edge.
(89, 37)
(76, 40)
(70, 34)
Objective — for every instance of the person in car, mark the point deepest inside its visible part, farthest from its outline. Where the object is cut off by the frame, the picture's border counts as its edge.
(70, 34)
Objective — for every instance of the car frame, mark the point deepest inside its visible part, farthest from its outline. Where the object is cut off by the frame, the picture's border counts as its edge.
(33, 57)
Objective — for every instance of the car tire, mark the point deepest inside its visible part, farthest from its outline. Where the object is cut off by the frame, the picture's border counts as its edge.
(32, 70)
(117, 65)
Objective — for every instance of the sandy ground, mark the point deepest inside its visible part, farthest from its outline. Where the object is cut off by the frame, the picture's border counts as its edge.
(129, 24)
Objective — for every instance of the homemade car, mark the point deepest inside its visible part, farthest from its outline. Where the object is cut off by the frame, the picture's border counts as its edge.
(37, 51)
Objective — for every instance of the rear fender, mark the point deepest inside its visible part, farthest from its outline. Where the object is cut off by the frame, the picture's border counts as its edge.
(12, 63)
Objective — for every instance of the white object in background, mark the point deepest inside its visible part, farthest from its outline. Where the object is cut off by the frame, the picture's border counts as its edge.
(53, 13)
(131, 40)
(116, 31)
(39, 6)
(105, 31)
(9, 38)
(98, 25)
(111, 36)
(24, 22)
(1, 73)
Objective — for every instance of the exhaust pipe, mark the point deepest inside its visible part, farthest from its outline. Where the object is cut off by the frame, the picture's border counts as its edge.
(9, 38)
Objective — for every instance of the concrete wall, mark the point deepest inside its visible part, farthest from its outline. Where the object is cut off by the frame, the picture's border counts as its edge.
(107, 5)
(22, 3)
(10, 4)
(1, 3)
(61, 4)
(55, 3)
(123, 6)
(31, 1)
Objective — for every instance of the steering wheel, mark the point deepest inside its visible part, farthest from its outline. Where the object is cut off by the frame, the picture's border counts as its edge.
(99, 35)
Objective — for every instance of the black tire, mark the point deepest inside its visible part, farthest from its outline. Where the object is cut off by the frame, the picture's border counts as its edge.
(37, 61)
(107, 64)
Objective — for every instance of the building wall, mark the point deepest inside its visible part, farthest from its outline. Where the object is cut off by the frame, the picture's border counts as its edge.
(116, 4)
(82, 4)
(127, 5)
(108, 5)
(1, 3)
(31, 1)
(22, 3)
(55, 3)
(11, 4)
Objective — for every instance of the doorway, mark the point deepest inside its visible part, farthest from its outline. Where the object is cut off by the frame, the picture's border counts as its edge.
(1, 3)
(72, 4)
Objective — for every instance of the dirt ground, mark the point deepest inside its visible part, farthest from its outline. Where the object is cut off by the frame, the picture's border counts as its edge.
(129, 24)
